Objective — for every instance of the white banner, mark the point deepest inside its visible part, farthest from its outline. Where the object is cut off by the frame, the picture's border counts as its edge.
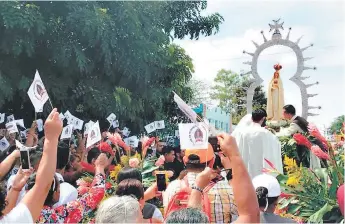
(78, 124)
(94, 135)
(10, 118)
(67, 132)
(11, 127)
(159, 124)
(111, 118)
(37, 93)
(193, 136)
(4, 144)
(150, 127)
(20, 122)
(116, 124)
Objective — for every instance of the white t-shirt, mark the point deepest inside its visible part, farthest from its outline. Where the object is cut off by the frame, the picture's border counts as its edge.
(68, 193)
(19, 214)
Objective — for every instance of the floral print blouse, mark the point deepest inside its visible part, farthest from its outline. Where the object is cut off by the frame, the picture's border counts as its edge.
(74, 211)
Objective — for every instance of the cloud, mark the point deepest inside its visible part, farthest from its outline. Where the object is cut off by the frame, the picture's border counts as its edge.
(243, 22)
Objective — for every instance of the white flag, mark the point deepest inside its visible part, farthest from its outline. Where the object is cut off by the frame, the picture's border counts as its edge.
(133, 141)
(37, 93)
(67, 132)
(111, 118)
(2, 118)
(68, 115)
(39, 123)
(4, 144)
(87, 127)
(78, 124)
(10, 118)
(20, 122)
(11, 127)
(189, 112)
(116, 124)
(125, 131)
(61, 116)
(94, 135)
(193, 136)
(159, 124)
(23, 134)
(150, 127)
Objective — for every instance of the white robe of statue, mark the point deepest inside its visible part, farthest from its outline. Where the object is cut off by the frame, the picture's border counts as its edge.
(255, 144)
(275, 97)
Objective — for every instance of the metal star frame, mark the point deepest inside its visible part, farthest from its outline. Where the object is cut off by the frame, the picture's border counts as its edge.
(297, 78)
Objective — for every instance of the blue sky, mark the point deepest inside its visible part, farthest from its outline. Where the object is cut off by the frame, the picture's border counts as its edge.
(319, 22)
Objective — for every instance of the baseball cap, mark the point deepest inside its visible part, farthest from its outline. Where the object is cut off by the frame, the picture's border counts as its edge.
(269, 182)
(202, 155)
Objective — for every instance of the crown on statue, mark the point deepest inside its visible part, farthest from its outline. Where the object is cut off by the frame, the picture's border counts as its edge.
(277, 67)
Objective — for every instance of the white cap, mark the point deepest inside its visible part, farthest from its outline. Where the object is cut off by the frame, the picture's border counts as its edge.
(269, 182)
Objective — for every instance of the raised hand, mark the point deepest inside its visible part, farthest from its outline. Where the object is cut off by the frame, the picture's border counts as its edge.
(102, 161)
(205, 177)
(53, 126)
(228, 145)
(21, 178)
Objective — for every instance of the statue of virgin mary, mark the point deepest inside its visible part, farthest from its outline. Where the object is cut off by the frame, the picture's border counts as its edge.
(275, 96)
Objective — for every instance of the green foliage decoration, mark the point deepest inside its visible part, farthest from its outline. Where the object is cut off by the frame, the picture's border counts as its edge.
(102, 57)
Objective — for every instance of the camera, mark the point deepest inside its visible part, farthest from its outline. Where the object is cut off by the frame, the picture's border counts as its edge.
(216, 148)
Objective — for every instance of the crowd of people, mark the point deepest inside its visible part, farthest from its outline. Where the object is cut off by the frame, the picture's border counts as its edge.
(205, 185)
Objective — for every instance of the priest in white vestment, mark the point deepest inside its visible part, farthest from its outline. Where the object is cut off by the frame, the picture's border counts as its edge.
(256, 144)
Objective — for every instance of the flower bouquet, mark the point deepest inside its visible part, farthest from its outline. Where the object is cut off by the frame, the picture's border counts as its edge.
(310, 195)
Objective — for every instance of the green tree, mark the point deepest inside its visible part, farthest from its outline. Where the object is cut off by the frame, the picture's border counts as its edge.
(200, 92)
(230, 90)
(99, 57)
(337, 124)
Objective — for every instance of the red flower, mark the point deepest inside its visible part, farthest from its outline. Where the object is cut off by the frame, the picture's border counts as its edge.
(74, 216)
(82, 190)
(313, 131)
(302, 140)
(108, 185)
(270, 163)
(319, 153)
(284, 195)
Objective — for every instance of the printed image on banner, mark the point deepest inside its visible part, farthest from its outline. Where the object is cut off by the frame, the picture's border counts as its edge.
(4, 144)
(94, 135)
(159, 124)
(11, 127)
(193, 136)
(37, 93)
(150, 127)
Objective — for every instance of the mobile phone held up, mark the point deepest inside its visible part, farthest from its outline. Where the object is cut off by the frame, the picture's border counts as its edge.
(25, 158)
(161, 182)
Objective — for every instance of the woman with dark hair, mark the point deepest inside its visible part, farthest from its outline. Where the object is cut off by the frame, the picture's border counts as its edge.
(133, 187)
(150, 211)
(268, 191)
(129, 173)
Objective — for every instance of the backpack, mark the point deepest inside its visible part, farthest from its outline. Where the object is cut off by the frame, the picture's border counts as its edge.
(180, 200)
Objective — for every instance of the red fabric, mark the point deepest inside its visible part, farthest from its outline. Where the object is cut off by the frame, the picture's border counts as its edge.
(88, 167)
(105, 147)
(149, 142)
(340, 198)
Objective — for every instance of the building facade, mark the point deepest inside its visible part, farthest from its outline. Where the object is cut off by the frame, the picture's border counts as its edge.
(216, 116)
